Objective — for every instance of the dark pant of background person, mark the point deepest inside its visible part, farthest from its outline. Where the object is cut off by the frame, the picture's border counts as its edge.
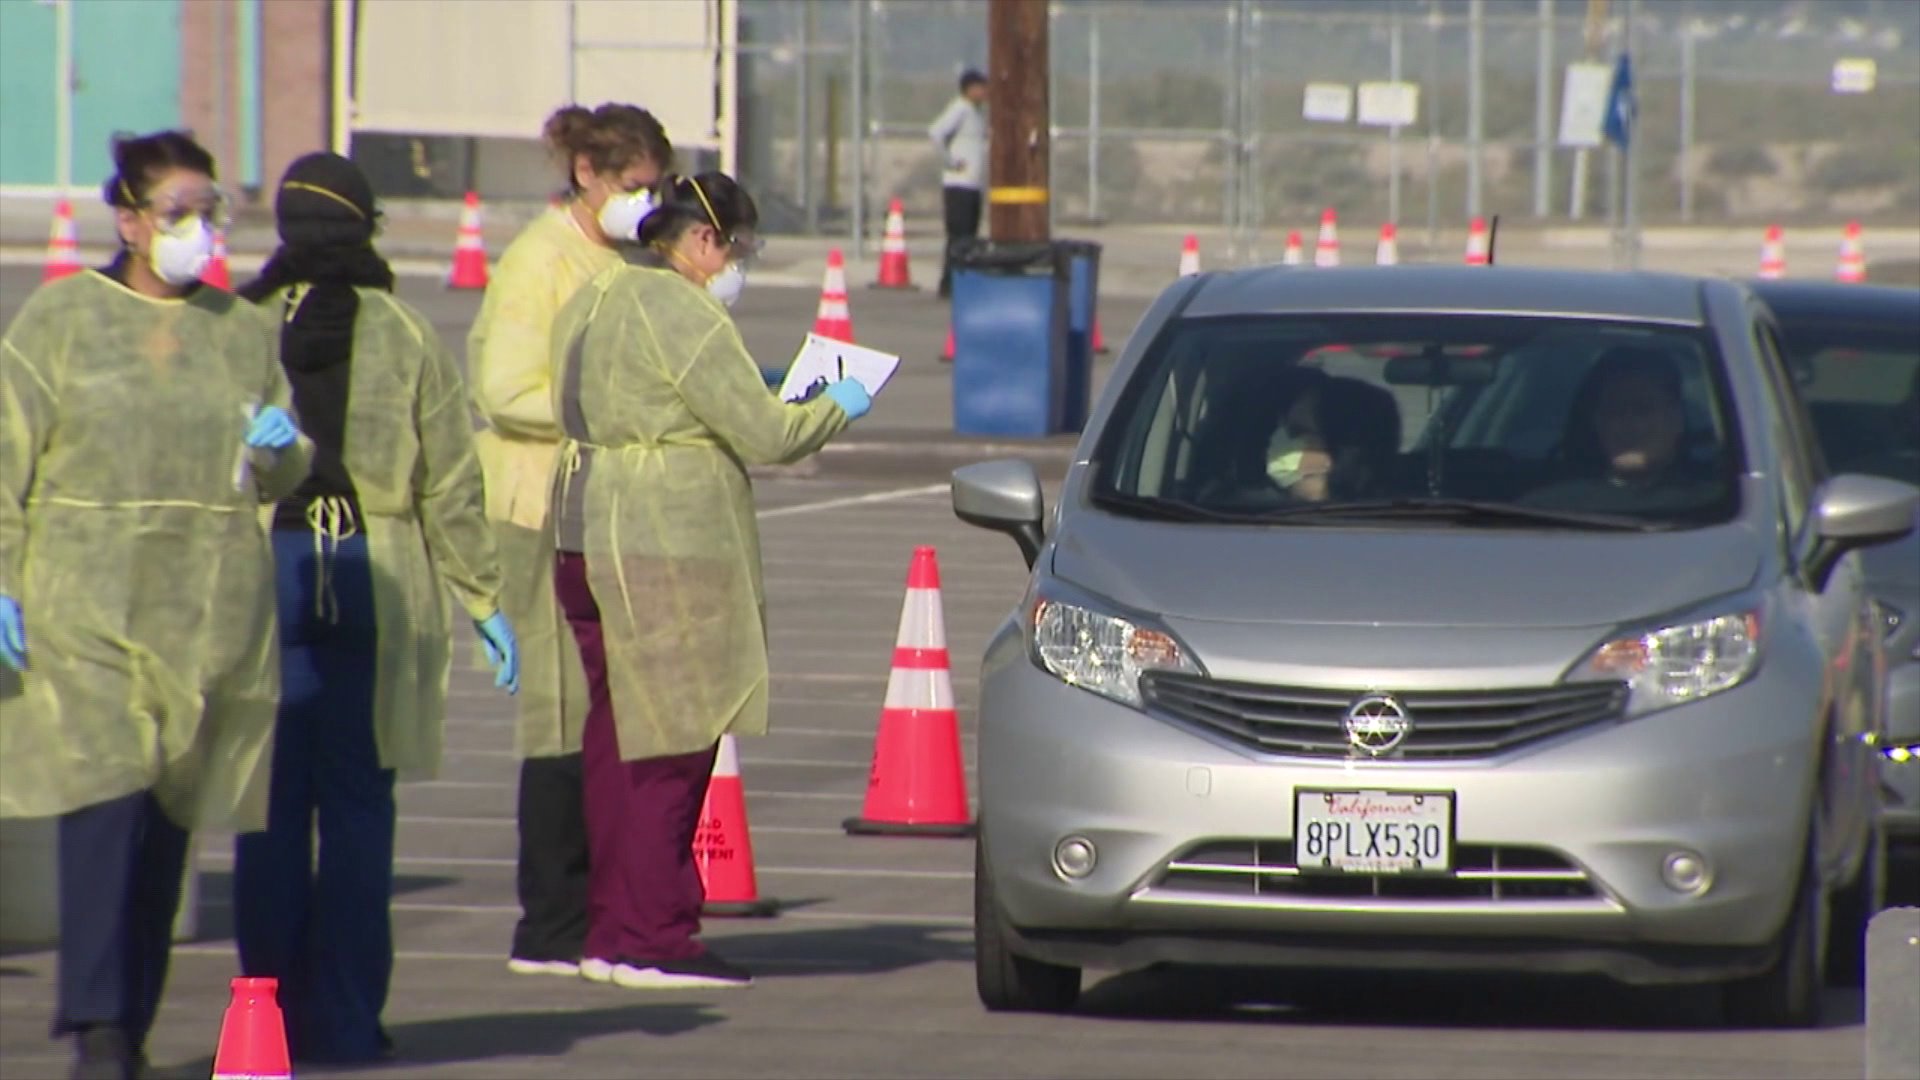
(121, 863)
(325, 934)
(644, 893)
(552, 875)
(963, 224)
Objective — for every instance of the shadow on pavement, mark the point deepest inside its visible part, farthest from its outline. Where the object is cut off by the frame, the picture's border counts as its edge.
(848, 950)
(547, 1033)
(213, 919)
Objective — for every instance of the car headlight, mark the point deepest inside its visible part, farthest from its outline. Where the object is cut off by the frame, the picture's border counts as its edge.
(1102, 653)
(1674, 665)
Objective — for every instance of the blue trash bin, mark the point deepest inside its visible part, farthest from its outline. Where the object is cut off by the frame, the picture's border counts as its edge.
(1082, 310)
(1011, 318)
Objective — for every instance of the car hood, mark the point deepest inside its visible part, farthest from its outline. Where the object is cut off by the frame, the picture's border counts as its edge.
(1412, 575)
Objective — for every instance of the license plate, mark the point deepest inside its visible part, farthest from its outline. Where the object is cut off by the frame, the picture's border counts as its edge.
(1373, 832)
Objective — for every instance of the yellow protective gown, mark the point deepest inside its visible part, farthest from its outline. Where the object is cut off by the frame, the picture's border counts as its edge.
(511, 374)
(667, 410)
(129, 532)
(409, 452)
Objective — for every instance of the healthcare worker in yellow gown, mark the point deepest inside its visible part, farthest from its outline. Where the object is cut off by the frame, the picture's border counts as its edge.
(609, 155)
(388, 526)
(144, 420)
(659, 567)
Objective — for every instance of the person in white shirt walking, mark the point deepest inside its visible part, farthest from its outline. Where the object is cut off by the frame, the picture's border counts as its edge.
(961, 136)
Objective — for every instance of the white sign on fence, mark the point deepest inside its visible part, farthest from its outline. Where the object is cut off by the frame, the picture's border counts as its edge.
(1583, 104)
(1328, 103)
(1855, 75)
(1389, 104)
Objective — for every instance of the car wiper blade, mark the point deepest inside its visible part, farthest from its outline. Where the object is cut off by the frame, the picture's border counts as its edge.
(1163, 509)
(1464, 510)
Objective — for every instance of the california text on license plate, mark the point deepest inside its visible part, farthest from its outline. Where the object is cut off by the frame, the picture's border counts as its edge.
(1373, 832)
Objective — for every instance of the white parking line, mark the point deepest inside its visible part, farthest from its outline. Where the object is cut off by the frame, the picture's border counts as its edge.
(854, 500)
(222, 858)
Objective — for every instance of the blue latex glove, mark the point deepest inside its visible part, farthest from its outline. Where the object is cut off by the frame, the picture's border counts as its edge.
(852, 398)
(272, 429)
(503, 652)
(13, 634)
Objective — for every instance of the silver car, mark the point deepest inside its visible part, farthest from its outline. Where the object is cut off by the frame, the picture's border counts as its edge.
(1444, 618)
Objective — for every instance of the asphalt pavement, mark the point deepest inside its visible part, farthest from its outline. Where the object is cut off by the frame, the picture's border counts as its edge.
(867, 969)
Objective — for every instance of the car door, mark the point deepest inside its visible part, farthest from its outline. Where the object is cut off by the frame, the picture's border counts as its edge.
(1838, 613)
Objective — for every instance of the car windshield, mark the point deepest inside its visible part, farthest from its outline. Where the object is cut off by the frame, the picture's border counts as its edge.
(1861, 383)
(1498, 421)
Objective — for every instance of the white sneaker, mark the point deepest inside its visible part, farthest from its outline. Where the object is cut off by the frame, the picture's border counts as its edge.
(703, 971)
(594, 969)
(542, 967)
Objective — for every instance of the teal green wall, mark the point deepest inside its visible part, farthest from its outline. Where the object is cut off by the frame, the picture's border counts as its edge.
(126, 68)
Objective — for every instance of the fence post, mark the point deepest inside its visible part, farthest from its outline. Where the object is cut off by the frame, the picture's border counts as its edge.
(1476, 100)
(1543, 117)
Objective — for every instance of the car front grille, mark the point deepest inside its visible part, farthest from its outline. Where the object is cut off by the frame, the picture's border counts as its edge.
(1266, 868)
(1443, 724)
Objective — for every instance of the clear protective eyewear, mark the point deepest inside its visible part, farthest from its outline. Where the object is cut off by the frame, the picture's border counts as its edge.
(173, 210)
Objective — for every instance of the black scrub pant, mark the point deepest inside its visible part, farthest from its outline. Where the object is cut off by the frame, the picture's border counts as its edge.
(552, 877)
(963, 223)
(121, 867)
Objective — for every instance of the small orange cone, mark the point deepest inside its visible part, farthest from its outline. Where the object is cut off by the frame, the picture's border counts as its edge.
(1099, 339)
(470, 252)
(216, 273)
(946, 352)
(1296, 252)
(894, 272)
(723, 846)
(1853, 258)
(63, 249)
(1326, 250)
(1388, 253)
(918, 783)
(1773, 254)
(1477, 242)
(835, 318)
(253, 1036)
(1190, 256)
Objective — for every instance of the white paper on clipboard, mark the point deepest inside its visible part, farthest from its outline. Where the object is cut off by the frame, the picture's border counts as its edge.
(824, 360)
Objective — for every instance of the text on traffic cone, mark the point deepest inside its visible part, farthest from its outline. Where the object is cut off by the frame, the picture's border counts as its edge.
(253, 1035)
(835, 317)
(723, 846)
(917, 784)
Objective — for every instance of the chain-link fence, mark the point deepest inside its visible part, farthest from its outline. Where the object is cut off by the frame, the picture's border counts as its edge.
(1191, 111)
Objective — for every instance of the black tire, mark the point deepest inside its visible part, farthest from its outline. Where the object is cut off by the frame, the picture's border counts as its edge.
(1787, 995)
(1006, 981)
(1853, 908)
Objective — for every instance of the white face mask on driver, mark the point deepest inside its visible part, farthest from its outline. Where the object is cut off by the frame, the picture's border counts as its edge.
(728, 284)
(180, 255)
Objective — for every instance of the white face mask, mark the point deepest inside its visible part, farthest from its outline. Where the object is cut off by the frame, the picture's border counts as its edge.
(620, 216)
(179, 256)
(728, 284)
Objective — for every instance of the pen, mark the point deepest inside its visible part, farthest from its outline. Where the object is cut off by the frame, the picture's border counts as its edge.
(840, 362)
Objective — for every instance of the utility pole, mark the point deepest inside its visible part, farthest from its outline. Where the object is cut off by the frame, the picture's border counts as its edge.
(1017, 121)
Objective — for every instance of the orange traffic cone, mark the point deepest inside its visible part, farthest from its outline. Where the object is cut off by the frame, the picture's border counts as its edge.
(1477, 242)
(894, 272)
(946, 352)
(63, 249)
(835, 319)
(1773, 254)
(253, 1037)
(1190, 256)
(470, 252)
(1853, 259)
(918, 785)
(216, 273)
(1099, 340)
(1296, 252)
(1388, 253)
(723, 846)
(1326, 250)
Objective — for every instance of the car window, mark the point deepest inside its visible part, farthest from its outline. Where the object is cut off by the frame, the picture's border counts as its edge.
(1248, 416)
(1794, 456)
(1861, 390)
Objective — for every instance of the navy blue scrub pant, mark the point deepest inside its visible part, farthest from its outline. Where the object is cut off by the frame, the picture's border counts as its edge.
(324, 931)
(121, 865)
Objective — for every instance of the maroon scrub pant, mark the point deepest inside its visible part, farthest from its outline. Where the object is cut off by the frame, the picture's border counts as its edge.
(643, 889)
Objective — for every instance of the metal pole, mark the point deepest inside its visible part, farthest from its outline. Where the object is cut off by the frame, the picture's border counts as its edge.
(1093, 113)
(1543, 117)
(63, 95)
(1686, 119)
(803, 131)
(1394, 43)
(1435, 21)
(858, 217)
(1230, 208)
(1476, 100)
(1253, 193)
(1630, 231)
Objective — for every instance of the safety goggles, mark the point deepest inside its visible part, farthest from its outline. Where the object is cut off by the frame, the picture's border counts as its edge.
(174, 211)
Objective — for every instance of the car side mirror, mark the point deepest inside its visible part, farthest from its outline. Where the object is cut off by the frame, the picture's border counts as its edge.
(1003, 496)
(1853, 511)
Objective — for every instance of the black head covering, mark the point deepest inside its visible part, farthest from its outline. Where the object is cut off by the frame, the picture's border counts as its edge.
(326, 217)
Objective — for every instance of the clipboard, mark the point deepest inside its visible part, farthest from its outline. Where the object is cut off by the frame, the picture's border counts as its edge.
(822, 361)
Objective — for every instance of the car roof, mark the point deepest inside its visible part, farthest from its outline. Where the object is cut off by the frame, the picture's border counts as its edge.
(1287, 290)
(1834, 301)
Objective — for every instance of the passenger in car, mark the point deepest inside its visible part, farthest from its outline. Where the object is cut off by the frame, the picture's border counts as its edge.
(1625, 435)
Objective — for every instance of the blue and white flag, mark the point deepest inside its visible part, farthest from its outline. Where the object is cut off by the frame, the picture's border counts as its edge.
(1622, 108)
